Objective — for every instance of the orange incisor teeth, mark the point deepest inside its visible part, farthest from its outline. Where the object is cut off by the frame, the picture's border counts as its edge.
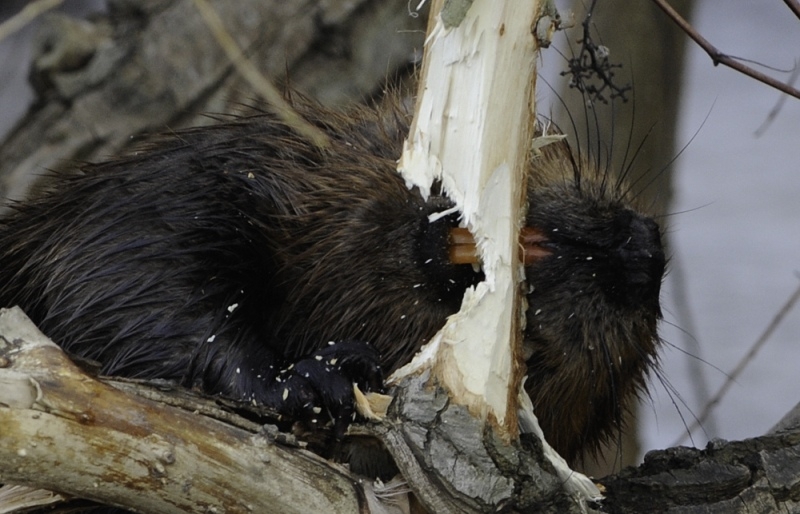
(463, 250)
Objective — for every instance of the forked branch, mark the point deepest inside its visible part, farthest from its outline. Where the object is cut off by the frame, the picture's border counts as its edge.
(726, 60)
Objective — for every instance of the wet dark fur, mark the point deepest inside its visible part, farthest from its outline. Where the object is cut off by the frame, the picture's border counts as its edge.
(219, 256)
(593, 306)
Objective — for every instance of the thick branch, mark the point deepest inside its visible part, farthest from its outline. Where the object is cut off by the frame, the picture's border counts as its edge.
(172, 452)
(64, 431)
(755, 475)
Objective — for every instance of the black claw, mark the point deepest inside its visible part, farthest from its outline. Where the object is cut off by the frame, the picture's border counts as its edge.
(321, 385)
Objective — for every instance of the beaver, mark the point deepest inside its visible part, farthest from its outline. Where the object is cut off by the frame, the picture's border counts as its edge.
(242, 260)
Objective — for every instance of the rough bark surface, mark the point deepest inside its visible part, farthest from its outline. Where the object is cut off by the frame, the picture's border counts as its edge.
(755, 475)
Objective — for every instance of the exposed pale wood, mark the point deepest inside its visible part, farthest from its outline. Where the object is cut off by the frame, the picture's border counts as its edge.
(477, 147)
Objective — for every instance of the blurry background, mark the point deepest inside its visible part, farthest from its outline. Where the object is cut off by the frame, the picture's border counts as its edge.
(15, 56)
(733, 223)
(736, 231)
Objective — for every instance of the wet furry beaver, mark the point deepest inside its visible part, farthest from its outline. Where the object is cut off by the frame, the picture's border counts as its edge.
(244, 261)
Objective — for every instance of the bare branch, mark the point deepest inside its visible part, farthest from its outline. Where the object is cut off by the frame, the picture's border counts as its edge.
(592, 62)
(64, 431)
(260, 84)
(794, 5)
(26, 15)
(733, 375)
(718, 57)
(773, 113)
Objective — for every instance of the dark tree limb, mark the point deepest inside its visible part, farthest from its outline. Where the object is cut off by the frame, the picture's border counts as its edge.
(794, 5)
(755, 475)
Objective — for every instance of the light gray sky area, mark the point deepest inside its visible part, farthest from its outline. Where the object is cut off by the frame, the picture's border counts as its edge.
(737, 231)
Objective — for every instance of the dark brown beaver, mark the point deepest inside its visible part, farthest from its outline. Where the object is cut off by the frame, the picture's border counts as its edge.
(228, 257)
(593, 305)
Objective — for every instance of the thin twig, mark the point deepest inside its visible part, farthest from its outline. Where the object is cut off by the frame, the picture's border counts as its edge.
(26, 15)
(261, 84)
(794, 5)
(683, 313)
(773, 113)
(742, 364)
(720, 58)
